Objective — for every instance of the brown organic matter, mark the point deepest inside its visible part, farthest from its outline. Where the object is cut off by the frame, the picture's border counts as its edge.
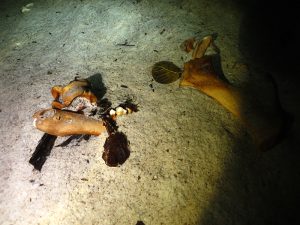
(201, 47)
(116, 149)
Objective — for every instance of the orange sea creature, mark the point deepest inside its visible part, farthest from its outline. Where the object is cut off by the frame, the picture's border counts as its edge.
(264, 125)
(64, 95)
(63, 123)
(69, 117)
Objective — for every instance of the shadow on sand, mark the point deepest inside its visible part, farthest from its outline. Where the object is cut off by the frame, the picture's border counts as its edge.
(263, 188)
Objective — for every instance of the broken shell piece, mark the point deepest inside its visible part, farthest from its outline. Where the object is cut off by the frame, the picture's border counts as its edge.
(128, 110)
(112, 112)
(120, 111)
(29, 5)
(34, 122)
(81, 104)
(123, 109)
(201, 47)
(26, 8)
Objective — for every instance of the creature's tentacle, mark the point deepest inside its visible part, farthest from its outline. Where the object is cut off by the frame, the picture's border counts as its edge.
(200, 74)
(57, 105)
(56, 91)
(201, 47)
(64, 96)
(265, 128)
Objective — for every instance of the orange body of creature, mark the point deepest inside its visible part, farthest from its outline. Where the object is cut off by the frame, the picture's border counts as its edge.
(63, 123)
(64, 95)
(265, 126)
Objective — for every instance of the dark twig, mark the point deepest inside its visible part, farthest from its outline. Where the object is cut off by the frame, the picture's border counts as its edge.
(42, 151)
(125, 44)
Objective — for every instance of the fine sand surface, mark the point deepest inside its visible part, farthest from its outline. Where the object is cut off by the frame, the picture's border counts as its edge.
(191, 161)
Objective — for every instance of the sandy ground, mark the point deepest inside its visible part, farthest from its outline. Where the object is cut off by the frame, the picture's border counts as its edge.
(191, 161)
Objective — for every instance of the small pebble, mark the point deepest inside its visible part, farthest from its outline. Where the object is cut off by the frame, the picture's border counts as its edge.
(120, 111)
(112, 112)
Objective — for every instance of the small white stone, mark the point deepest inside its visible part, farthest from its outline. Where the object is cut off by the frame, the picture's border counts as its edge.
(120, 111)
(24, 9)
(34, 122)
(29, 5)
(129, 110)
(112, 112)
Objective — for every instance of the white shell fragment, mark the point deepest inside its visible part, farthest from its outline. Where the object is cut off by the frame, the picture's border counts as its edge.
(34, 122)
(81, 104)
(26, 8)
(120, 111)
(112, 112)
(29, 5)
(129, 110)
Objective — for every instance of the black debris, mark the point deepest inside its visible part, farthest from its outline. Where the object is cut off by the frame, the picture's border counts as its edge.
(151, 86)
(116, 149)
(125, 44)
(163, 31)
(42, 151)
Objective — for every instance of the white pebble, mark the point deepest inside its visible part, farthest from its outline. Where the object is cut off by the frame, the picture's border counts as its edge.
(34, 122)
(120, 111)
(112, 112)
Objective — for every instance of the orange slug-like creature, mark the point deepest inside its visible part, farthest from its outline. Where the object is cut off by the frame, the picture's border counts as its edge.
(71, 115)
(264, 125)
(60, 122)
(64, 95)
(64, 123)
(265, 122)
